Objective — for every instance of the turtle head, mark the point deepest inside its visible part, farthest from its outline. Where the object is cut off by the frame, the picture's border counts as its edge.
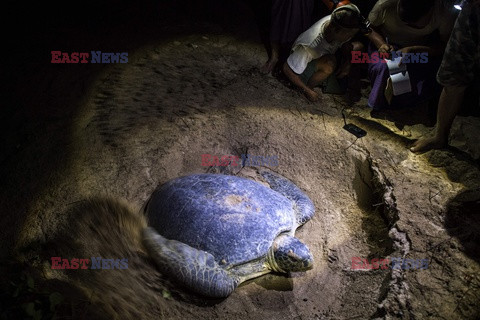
(289, 254)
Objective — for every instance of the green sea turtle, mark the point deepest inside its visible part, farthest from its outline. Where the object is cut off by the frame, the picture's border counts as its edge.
(211, 232)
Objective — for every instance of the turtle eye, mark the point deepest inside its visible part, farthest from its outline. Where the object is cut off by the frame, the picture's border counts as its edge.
(292, 255)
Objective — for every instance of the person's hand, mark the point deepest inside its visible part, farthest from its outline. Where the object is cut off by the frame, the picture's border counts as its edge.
(385, 48)
(311, 95)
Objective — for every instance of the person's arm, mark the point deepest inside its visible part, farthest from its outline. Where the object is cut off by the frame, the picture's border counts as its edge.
(295, 79)
(379, 42)
(377, 19)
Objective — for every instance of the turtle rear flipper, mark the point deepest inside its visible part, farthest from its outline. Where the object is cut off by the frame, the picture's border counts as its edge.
(195, 269)
(304, 206)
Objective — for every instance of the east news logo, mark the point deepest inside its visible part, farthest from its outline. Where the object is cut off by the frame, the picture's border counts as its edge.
(92, 57)
(397, 263)
(375, 57)
(97, 263)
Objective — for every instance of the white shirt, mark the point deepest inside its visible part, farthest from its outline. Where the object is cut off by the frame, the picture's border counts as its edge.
(311, 45)
(384, 15)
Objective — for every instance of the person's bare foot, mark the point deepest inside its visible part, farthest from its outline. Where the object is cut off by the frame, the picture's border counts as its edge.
(311, 95)
(269, 65)
(426, 144)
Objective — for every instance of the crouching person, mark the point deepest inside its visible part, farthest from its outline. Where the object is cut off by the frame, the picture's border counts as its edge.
(316, 52)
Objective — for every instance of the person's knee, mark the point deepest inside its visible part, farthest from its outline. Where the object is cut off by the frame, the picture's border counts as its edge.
(357, 46)
(326, 64)
(285, 68)
(289, 73)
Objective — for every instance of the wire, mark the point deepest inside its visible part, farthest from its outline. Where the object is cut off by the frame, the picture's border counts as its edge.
(351, 144)
(343, 116)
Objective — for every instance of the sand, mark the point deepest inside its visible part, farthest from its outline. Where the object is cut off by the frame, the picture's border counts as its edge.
(117, 131)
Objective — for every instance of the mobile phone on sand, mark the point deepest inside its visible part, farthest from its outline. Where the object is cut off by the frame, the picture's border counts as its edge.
(356, 131)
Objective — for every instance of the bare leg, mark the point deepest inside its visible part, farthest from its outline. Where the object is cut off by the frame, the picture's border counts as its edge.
(324, 67)
(272, 61)
(448, 106)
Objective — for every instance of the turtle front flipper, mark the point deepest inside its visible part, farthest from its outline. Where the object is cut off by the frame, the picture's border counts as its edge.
(304, 206)
(195, 269)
